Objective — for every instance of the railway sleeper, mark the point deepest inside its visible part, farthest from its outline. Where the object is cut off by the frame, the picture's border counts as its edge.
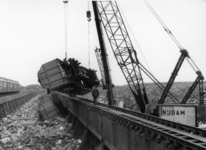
(172, 144)
(164, 122)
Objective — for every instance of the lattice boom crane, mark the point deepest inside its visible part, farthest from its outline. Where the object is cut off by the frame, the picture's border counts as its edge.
(108, 13)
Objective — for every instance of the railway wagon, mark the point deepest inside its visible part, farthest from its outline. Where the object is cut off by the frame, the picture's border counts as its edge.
(67, 76)
(8, 86)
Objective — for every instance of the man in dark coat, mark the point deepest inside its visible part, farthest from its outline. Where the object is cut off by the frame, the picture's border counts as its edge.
(95, 94)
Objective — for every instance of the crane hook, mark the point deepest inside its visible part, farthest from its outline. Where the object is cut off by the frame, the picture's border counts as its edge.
(65, 1)
(89, 15)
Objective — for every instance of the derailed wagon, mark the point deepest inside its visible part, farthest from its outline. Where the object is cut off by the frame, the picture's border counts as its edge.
(67, 76)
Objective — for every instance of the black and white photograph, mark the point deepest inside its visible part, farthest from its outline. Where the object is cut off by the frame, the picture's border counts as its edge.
(102, 75)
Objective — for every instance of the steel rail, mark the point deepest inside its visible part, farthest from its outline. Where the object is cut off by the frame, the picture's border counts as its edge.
(175, 125)
(179, 126)
(169, 136)
(144, 125)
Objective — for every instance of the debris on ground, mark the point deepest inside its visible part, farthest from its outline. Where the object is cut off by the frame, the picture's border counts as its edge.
(24, 131)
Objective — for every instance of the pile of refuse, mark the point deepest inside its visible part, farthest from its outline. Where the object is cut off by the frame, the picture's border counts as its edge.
(24, 130)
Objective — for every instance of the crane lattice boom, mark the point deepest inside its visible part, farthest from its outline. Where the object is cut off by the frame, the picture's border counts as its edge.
(123, 49)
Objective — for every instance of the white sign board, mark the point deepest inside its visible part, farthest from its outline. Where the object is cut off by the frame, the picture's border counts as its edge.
(121, 104)
(180, 114)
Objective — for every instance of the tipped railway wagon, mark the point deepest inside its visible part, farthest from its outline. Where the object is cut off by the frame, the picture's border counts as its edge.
(8, 86)
(67, 76)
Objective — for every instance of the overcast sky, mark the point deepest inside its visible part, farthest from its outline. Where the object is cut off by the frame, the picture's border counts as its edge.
(32, 33)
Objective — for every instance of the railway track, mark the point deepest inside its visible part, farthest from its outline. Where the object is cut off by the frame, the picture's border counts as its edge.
(175, 125)
(11, 103)
(12, 93)
(166, 133)
(8, 94)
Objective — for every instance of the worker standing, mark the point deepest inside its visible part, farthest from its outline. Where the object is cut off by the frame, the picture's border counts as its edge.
(95, 94)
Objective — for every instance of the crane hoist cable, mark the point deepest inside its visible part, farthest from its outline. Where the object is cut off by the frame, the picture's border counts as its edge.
(184, 54)
(88, 19)
(149, 74)
(163, 24)
(65, 23)
(88, 13)
(88, 45)
(189, 59)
